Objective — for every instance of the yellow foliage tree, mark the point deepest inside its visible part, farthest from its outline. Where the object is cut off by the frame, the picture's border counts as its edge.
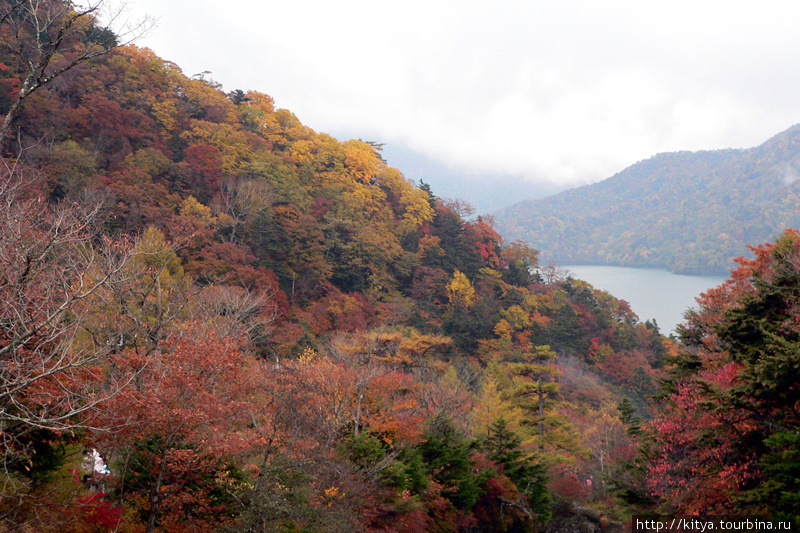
(604, 434)
(203, 214)
(232, 142)
(493, 401)
(517, 318)
(360, 161)
(460, 290)
(412, 203)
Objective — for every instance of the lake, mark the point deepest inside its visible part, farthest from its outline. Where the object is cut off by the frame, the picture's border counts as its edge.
(651, 293)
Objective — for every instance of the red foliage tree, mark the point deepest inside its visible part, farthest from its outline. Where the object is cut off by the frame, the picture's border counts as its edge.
(178, 424)
(731, 414)
(206, 163)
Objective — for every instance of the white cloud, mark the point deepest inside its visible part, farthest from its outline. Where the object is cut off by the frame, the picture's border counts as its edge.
(564, 91)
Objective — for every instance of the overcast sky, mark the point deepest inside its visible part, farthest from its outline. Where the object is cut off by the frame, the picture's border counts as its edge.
(562, 90)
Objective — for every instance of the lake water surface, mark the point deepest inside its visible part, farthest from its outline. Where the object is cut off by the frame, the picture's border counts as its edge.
(651, 293)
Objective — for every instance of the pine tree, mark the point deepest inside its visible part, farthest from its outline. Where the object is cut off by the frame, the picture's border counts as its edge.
(503, 446)
(538, 394)
(446, 454)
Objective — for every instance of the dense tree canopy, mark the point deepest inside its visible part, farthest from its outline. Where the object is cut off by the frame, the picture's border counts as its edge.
(262, 328)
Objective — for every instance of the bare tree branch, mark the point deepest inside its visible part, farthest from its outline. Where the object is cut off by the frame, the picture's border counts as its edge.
(50, 37)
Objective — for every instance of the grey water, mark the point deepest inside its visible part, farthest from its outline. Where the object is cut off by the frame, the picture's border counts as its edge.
(651, 293)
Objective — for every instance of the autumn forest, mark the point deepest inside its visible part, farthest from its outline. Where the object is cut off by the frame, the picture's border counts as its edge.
(215, 319)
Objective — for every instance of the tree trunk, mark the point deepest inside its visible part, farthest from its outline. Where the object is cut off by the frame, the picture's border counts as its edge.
(155, 497)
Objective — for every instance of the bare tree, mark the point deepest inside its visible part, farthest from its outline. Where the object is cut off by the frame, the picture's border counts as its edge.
(49, 37)
(54, 265)
(243, 199)
(235, 311)
(461, 207)
(49, 267)
(552, 273)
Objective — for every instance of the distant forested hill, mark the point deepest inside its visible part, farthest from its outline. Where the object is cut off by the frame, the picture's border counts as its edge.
(690, 212)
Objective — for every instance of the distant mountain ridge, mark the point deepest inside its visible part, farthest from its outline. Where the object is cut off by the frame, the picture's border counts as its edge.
(469, 185)
(689, 212)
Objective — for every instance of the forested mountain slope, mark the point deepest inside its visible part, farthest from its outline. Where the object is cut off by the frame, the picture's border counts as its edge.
(263, 328)
(690, 212)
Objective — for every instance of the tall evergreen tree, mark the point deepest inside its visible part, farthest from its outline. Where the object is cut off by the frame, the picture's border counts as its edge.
(538, 394)
(503, 446)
